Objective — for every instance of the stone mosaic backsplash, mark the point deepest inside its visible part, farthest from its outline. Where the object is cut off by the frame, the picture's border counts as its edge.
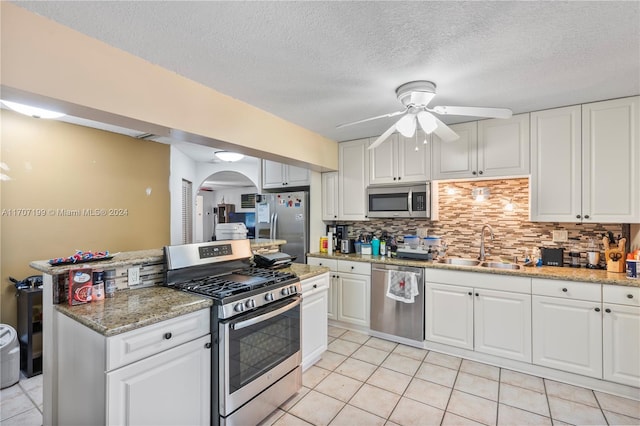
(461, 219)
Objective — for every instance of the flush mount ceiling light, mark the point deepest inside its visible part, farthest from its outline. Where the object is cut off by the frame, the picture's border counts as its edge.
(229, 156)
(32, 111)
(415, 96)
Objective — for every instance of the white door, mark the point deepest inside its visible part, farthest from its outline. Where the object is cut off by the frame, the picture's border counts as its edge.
(621, 343)
(314, 327)
(170, 388)
(272, 174)
(502, 324)
(414, 165)
(353, 178)
(610, 159)
(296, 176)
(199, 218)
(330, 196)
(449, 315)
(503, 146)
(354, 298)
(383, 163)
(567, 335)
(457, 159)
(556, 168)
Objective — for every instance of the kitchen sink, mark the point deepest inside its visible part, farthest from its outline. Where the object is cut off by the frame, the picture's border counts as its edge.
(500, 265)
(460, 262)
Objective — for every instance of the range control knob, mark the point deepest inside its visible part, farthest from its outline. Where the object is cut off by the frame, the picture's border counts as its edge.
(250, 304)
(268, 297)
(293, 289)
(284, 291)
(238, 307)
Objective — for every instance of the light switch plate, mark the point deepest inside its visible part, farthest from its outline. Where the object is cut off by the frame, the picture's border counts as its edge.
(133, 275)
(560, 236)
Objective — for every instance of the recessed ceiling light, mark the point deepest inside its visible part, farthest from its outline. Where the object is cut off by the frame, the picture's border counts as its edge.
(32, 111)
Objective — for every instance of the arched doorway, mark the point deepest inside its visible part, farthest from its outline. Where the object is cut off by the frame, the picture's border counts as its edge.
(223, 196)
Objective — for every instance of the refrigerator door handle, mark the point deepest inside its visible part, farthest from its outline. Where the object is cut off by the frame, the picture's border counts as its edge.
(275, 226)
(271, 226)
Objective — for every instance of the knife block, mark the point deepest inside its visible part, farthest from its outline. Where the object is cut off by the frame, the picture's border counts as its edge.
(615, 265)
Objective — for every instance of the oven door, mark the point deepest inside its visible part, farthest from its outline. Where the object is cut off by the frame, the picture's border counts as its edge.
(256, 350)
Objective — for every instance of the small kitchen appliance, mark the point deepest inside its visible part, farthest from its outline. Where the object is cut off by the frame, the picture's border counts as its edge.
(400, 201)
(255, 327)
(593, 255)
(552, 256)
(347, 245)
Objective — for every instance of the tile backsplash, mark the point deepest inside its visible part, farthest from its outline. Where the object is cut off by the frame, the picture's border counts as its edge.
(461, 219)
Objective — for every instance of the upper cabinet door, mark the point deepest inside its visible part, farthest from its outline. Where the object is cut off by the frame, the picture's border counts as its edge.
(503, 146)
(272, 174)
(296, 176)
(383, 162)
(330, 196)
(414, 165)
(353, 157)
(611, 161)
(457, 159)
(556, 190)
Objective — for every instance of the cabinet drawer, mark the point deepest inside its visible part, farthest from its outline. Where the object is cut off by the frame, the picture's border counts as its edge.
(621, 295)
(315, 284)
(320, 261)
(137, 344)
(479, 280)
(362, 268)
(567, 289)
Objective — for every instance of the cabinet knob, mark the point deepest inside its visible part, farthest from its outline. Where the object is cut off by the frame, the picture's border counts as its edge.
(352, 268)
(473, 172)
(399, 177)
(477, 295)
(577, 216)
(608, 310)
(394, 178)
(167, 336)
(629, 296)
(480, 172)
(207, 345)
(470, 294)
(564, 289)
(586, 216)
(335, 217)
(315, 286)
(597, 309)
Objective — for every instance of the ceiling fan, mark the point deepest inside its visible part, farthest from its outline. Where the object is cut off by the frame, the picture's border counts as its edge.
(415, 96)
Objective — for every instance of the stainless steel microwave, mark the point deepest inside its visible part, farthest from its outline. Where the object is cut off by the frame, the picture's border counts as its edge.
(399, 201)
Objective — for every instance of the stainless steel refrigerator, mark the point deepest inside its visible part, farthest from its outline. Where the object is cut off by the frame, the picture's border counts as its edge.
(285, 216)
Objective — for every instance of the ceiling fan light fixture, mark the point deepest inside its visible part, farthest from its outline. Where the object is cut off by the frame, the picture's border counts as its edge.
(427, 122)
(31, 111)
(407, 125)
(229, 156)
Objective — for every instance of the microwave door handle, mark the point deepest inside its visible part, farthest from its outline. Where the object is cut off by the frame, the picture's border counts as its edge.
(252, 321)
(409, 198)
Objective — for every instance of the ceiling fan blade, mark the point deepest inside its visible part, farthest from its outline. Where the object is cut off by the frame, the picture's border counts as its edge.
(391, 114)
(444, 132)
(473, 111)
(383, 136)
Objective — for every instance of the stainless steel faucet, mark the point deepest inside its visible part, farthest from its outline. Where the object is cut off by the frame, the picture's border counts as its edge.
(482, 254)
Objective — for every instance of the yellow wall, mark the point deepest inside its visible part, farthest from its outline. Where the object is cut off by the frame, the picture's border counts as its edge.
(56, 166)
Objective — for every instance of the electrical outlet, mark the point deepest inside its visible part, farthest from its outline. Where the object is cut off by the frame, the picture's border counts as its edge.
(560, 236)
(133, 275)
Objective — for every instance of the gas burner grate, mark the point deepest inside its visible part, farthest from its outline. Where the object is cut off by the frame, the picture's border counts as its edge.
(276, 276)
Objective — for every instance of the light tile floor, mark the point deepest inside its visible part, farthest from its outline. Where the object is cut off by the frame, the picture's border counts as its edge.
(364, 380)
(21, 404)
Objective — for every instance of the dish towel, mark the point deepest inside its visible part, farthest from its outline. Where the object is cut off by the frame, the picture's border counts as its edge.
(402, 286)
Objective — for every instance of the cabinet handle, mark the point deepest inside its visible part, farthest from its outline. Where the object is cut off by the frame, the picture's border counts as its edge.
(167, 336)
(586, 216)
(315, 286)
(608, 310)
(470, 294)
(399, 177)
(207, 345)
(477, 295)
(480, 172)
(577, 216)
(629, 296)
(564, 289)
(473, 172)
(352, 268)
(394, 178)
(597, 309)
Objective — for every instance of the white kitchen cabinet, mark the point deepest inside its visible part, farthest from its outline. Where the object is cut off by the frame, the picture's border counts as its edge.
(349, 292)
(314, 318)
(567, 326)
(487, 148)
(278, 175)
(621, 334)
(353, 179)
(396, 160)
(330, 196)
(481, 315)
(584, 163)
(159, 374)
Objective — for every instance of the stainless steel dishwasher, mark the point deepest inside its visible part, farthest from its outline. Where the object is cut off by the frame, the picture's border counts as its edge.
(392, 316)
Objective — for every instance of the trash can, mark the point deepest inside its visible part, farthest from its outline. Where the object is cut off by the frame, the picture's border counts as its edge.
(9, 356)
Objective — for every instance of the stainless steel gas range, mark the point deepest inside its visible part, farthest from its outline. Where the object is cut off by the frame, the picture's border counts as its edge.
(255, 327)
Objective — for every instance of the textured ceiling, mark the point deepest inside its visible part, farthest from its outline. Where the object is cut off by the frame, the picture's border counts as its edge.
(319, 64)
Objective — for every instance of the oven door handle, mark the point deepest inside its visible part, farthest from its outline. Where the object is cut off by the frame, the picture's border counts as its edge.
(255, 320)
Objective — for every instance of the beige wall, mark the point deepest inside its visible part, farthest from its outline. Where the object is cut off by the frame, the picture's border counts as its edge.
(54, 166)
(47, 64)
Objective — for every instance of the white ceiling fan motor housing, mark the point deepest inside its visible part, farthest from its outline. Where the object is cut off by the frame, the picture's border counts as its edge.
(416, 93)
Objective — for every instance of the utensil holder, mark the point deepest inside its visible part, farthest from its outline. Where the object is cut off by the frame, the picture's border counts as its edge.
(616, 260)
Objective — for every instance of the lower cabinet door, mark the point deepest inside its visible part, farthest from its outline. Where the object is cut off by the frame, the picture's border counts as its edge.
(621, 335)
(449, 315)
(353, 298)
(314, 328)
(170, 388)
(567, 335)
(502, 324)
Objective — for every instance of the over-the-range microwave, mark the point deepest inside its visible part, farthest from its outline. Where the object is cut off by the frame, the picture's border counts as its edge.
(399, 201)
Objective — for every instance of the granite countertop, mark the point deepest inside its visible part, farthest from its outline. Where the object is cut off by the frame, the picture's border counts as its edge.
(119, 260)
(266, 242)
(548, 272)
(132, 309)
(306, 271)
